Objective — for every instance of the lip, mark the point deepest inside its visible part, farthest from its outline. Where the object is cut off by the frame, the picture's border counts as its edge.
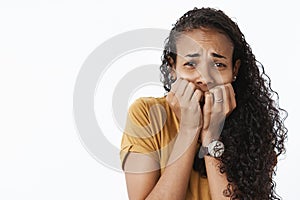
(203, 87)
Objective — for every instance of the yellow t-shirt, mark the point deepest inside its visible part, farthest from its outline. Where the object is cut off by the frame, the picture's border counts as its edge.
(151, 128)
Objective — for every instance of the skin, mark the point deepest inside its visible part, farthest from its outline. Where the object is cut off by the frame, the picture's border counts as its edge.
(204, 72)
(204, 57)
(204, 60)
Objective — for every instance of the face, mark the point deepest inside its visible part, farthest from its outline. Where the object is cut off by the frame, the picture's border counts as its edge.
(204, 57)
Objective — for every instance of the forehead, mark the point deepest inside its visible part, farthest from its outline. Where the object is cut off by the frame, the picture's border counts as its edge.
(204, 40)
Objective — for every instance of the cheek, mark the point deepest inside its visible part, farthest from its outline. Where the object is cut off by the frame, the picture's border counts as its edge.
(214, 76)
(223, 77)
(185, 74)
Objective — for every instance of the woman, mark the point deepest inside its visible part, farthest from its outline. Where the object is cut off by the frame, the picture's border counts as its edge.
(217, 133)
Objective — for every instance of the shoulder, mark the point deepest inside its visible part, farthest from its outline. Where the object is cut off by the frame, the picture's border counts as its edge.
(147, 110)
(146, 103)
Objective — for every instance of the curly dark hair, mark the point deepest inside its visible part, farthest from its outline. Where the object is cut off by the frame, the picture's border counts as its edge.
(254, 133)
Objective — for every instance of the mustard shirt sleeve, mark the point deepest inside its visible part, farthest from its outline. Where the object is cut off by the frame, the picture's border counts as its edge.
(138, 134)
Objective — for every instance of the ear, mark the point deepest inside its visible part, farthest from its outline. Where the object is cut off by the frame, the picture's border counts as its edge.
(173, 66)
(236, 67)
(172, 63)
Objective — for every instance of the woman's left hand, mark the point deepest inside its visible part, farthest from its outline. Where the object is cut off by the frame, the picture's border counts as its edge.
(219, 103)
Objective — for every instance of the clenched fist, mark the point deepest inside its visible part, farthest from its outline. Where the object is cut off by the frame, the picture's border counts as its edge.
(184, 99)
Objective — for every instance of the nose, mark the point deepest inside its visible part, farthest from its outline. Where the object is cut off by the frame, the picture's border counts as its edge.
(204, 79)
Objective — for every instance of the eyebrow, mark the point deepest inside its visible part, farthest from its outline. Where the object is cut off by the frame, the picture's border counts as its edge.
(193, 55)
(198, 55)
(218, 55)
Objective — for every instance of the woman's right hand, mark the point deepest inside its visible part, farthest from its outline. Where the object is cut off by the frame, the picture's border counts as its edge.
(184, 100)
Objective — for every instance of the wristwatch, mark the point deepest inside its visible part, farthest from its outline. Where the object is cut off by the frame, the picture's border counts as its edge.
(215, 149)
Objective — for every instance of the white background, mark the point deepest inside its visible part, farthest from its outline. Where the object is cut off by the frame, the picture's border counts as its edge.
(42, 47)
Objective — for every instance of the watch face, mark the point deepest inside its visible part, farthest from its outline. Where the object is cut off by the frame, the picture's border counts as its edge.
(216, 149)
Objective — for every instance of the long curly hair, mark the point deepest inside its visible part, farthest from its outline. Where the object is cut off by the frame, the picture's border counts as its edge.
(254, 133)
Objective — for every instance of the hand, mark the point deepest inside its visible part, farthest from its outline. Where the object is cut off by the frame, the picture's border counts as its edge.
(184, 100)
(219, 103)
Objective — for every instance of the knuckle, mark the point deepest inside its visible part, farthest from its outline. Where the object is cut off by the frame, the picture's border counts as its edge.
(191, 85)
(233, 106)
(208, 113)
(173, 103)
(184, 82)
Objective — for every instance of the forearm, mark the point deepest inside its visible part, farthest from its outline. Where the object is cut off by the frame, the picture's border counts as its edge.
(174, 181)
(217, 181)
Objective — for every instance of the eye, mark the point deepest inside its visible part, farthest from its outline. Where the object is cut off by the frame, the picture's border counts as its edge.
(219, 64)
(190, 64)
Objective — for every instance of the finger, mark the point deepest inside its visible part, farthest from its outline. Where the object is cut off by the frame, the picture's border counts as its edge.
(189, 91)
(174, 86)
(172, 99)
(230, 106)
(232, 96)
(173, 103)
(218, 99)
(207, 109)
(197, 95)
(181, 88)
(227, 100)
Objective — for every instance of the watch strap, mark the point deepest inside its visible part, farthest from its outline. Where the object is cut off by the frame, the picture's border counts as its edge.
(203, 151)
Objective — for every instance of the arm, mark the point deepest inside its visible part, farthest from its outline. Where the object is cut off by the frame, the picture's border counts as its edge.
(172, 184)
(216, 112)
(217, 182)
